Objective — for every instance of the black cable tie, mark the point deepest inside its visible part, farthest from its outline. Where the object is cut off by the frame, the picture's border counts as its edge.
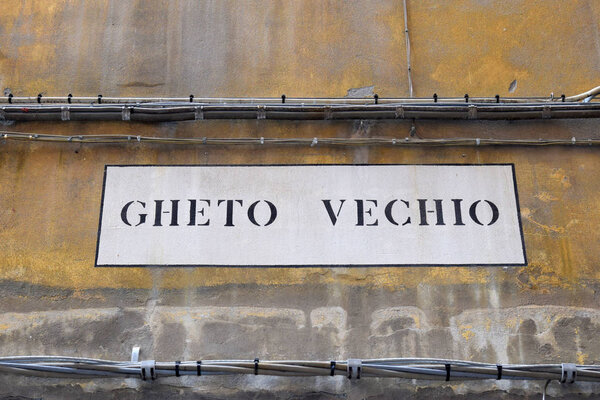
(332, 367)
(256, 360)
(562, 98)
(39, 98)
(199, 368)
(435, 97)
(466, 97)
(376, 97)
(10, 96)
(497, 98)
(152, 375)
(447, 372)
(191, 98)
(143, 374)
(177, 368)
(69, 97)
(349, 372)
(99, 99)
(499, 372)
(283, 98)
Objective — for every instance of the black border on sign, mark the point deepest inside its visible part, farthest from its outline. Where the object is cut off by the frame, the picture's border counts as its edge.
(106, 166)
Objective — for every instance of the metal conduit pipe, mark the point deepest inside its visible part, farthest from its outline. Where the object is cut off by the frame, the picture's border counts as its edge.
(99, 99)
(178, 112)
(263, 100)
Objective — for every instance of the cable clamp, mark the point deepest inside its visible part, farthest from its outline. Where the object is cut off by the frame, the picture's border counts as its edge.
(261, 113)
(332, 368)
(314, 142)
(126, 113)
(256, 361)
(472, 112)
(354, 366)
(477, 141)
(65, 113)
(546, 111)
(569, 373)
(573, 140)
(148, 369)
(199, 112)
(399, 112)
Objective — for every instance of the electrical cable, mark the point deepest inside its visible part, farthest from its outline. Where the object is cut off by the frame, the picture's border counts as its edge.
(590, 93)
(383, 109)
(280, 141)
(409, 68)
(410, 368)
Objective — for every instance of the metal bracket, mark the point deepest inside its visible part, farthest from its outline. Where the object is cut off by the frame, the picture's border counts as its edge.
(399, 112)
(126, 113)
(148, 369)
(546, 111)
(65, 113)
(354, 367)
(569, 373)
(262, 113)
(472, 111)
(135, 354)
(199, 112)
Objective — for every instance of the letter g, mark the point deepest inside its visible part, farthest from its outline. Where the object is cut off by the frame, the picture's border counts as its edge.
(126, 209)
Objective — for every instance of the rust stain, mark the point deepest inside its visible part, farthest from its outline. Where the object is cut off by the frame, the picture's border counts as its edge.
(527, 214)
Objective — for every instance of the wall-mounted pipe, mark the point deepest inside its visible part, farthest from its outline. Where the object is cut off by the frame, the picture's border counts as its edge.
(11, 99)
(176, 112)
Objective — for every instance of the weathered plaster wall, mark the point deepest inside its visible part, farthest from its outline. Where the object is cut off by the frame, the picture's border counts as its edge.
(53, 301)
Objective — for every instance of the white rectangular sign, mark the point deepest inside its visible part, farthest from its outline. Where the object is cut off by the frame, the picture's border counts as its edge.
(310, 215)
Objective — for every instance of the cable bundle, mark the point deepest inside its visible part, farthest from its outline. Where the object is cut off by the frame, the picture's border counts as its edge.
(403, 368)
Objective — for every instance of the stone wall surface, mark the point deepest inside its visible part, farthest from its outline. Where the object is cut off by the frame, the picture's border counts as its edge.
(54, 301)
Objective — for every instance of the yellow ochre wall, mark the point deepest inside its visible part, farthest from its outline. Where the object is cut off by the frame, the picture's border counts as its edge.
(54, 301)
